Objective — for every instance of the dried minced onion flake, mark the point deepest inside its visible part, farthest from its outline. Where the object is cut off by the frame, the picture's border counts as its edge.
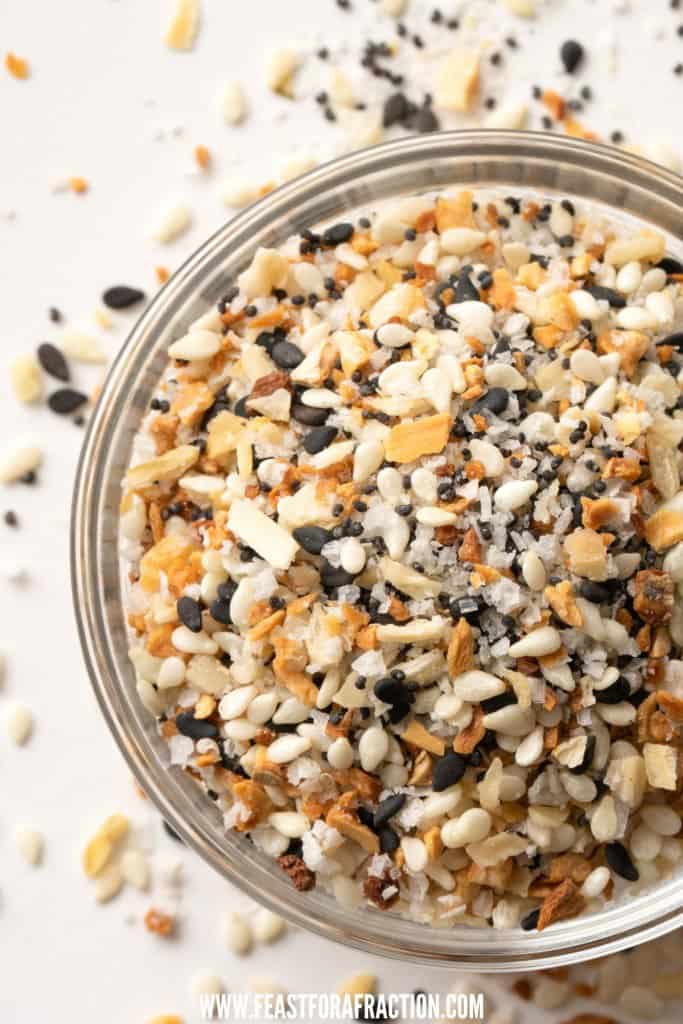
(401, 540)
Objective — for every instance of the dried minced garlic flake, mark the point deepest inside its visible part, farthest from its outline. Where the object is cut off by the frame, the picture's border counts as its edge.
(233, 103)
(30, 844)
(169, 466)
(99, 850)
(174, 222)
(522, 8)
(358, 985)
(18, 461)
(661, 765)
(19, 724)
(457, 81)
(26, 378)
(182, 29)
(513, 116)
(263, 534)
(82, 347)
(280, 71)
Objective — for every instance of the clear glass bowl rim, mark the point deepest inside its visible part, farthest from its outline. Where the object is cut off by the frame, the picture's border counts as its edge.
(624, 183)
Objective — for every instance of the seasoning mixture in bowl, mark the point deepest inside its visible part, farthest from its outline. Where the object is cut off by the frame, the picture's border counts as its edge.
(402, 537)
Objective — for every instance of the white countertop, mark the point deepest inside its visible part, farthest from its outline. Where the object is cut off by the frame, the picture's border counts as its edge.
(103, 88)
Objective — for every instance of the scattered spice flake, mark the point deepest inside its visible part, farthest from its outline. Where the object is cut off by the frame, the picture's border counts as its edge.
(79, 186)
(202, 157)
(18, 67)
(162, 274)
(159, 923)
(182, 30)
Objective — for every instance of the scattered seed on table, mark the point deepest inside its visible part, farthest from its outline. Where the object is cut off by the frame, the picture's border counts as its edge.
(66, 401)
(52, 361)
(122, 296)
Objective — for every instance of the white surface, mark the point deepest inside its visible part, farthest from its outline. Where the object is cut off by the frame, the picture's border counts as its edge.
(102, 85)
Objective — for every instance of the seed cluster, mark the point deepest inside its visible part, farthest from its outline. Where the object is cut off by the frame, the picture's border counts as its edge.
(403, 560)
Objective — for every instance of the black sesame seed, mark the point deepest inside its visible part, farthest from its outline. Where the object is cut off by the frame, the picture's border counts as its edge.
(55, 315)
(571, 55)
(598, 291)
(447, 771)
(530, 922)
(195, 728)
(388, 807)
(319, 438)
(388, 839)
(52, 361)
(616, 693)
(190, 613)
(336, 234)
(66, 400)
(121, 296)
(501, 700)
(10, 517)
(619, 861)
(286, 355)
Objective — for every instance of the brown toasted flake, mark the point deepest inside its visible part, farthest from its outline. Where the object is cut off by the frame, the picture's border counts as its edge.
(502, 294)
(467, 740)
(191, 401)
(374, 889)
(551, 737)
(671, 705)
(623, 469)
(562, 601)
(302, 877)
(341, 728)
(159, 923)
(549, 336)
(630, 345)
(454, 212)
(460, 655)
(421, 773)
(644, 638)
(253, 797)
(410, 440)
(266, 626)
(288, 665)
(569, 865)
(598, 513)
(497, 877)
(565, 902)
(654, 597)
(416, 735)
(366, 639)
(358, 782)
(586, 553)
(342, 816)
(531, 276)
(269, 384)
(664, 529)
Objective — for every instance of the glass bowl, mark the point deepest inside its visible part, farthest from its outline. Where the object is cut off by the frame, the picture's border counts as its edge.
(625, 186)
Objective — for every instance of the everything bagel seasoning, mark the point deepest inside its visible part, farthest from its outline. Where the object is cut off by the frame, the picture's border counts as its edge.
(403, 533)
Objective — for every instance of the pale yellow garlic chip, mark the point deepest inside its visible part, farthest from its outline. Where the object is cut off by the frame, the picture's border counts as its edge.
(183, 26)
(26, 378)
(457, 81)
(169, 466)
